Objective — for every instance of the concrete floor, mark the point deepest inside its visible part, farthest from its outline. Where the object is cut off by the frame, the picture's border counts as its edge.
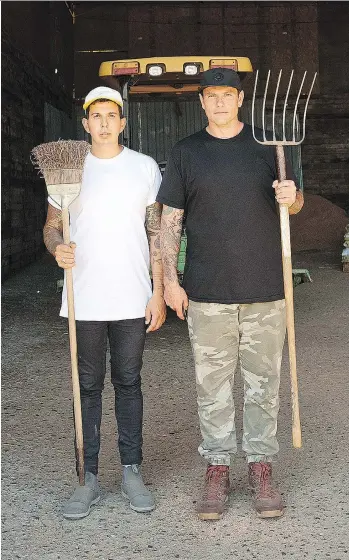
(37, 432)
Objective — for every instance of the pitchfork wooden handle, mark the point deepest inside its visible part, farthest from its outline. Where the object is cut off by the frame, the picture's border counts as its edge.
(288, 286)
(74, 356)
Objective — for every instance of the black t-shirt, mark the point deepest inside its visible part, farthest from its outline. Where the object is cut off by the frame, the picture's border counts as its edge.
(232, 223)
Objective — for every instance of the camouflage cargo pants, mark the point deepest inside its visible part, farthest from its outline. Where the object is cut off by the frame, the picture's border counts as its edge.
(220, 335)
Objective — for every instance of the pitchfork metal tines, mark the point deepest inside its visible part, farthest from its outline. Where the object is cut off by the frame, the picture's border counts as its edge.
(284, 216)
(297, 137)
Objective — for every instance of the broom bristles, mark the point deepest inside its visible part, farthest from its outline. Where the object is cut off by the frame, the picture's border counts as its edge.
(61, 162)
(62, 176)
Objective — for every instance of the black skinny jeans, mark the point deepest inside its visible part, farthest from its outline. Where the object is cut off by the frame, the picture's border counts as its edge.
(126, 341)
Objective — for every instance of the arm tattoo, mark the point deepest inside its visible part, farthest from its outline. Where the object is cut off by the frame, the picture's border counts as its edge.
(153, 219)
(152, 226)
(170, 240)
(53, 229)
(298, 204)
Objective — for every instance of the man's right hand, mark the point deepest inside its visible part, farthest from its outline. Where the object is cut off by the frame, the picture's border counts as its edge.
(176, 298)
(65, 255)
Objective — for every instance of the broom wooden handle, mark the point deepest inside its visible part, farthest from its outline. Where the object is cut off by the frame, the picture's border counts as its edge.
(288, 287)
(74, 356)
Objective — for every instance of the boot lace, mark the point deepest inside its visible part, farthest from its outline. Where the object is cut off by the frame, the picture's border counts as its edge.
(261, 476)
(216, 482)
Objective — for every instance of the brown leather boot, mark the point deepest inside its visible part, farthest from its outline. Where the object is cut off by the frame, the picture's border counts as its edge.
(215, 494)
(267, 499)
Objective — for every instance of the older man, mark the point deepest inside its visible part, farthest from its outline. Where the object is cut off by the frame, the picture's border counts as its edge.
(226, 185)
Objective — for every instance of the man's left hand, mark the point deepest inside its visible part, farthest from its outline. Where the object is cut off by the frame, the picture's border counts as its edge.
(155, 313)
(285, 192)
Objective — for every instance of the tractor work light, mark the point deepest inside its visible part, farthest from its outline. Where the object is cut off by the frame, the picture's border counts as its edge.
(129, 67)
(230, 63)
(155, 69)
(191, 68)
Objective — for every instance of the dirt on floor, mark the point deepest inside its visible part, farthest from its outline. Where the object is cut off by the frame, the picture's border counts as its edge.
(37, 433)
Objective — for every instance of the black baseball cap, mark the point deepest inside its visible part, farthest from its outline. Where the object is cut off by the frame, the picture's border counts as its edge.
(220, 77)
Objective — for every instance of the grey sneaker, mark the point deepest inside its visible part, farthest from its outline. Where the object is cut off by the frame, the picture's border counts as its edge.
(83, 498)
(132, 488)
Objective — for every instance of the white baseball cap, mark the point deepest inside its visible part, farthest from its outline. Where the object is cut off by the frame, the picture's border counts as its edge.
(103, 92)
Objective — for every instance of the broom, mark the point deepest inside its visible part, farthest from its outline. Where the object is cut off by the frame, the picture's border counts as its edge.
(61, 165)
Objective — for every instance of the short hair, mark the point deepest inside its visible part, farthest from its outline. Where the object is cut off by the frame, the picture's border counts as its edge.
(87, 112)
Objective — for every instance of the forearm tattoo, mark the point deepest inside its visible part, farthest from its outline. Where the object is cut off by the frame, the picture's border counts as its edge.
(170, 240)
(298, 203)
(152, 226)
(53, 229)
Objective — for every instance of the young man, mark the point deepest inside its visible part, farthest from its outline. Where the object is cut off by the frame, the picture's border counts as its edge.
(226, 185)
(109, 222)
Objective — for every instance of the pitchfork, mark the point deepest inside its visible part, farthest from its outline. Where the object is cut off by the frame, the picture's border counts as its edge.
(285, 225)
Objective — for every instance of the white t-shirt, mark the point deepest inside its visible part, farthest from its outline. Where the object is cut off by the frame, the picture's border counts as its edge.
(111, 275)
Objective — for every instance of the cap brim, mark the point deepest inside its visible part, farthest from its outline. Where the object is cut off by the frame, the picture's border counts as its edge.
(86, 105)
(201, 88)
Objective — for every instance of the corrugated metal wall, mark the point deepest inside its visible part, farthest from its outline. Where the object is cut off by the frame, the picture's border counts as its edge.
(155, 126)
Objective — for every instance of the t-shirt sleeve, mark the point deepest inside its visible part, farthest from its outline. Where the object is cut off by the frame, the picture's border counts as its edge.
(155, 183)
(172, 190)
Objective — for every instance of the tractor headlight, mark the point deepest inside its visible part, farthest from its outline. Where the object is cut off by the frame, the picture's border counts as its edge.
(155, 69)
(191, 68)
